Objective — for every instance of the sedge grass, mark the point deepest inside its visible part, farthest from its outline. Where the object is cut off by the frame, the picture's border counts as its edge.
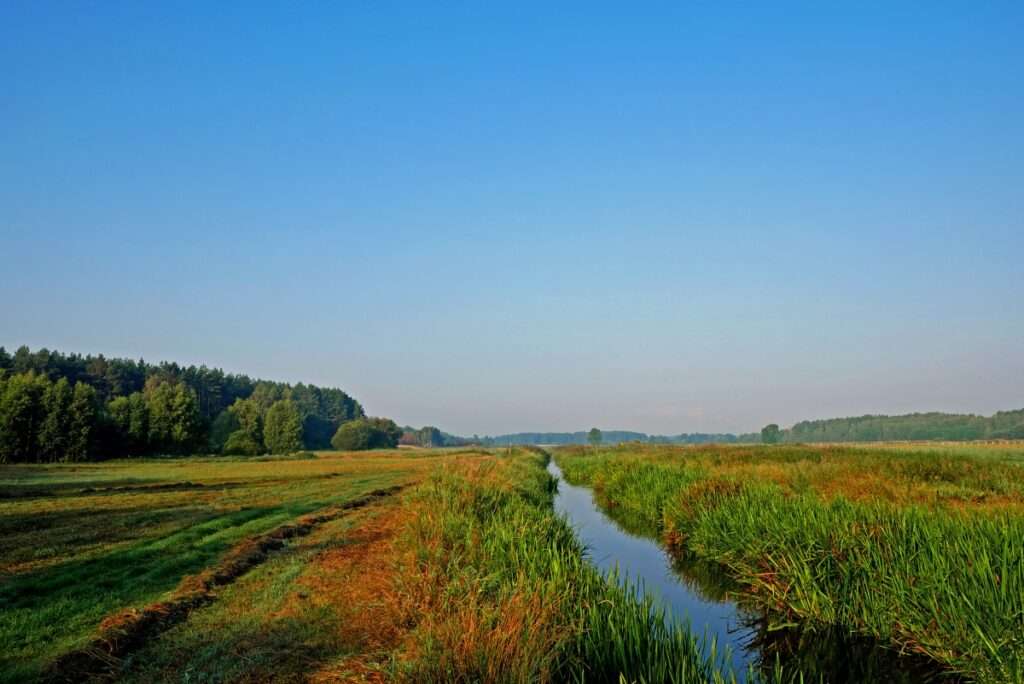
(936, 567)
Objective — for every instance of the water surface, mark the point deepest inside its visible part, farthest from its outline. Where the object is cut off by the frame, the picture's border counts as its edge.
(699, 593)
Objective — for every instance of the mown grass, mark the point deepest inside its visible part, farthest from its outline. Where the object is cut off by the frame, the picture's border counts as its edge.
(918, 546)
(267, 626)
(84, 541)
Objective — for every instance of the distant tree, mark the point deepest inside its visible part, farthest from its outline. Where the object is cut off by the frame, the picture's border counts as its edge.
(430, 437)
(241, 443)
(55, 428)
(282, 427)
(250, 418)
(21, 412)
(355, 435)
(187, 428)
(770, 434)
(159, 396)
(118, 419)
(266, 393)
(223, 425)
(594, 437)
(138, 423)
(385, 433)
(174, 421)
(5, 362)
(81, 422)
(367, 433)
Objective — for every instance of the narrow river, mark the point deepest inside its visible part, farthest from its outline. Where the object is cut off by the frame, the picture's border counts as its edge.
(643, 559)
(701, 596)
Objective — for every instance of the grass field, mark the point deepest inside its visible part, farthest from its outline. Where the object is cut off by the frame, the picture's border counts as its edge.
(439, 566)
(918, 545)
(161, 570)
(84, 541)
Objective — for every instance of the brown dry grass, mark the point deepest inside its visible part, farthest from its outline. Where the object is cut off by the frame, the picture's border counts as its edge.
(357, 583)
(406, 612)
(124, 632)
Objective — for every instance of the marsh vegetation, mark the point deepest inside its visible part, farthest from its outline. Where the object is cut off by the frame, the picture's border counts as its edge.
(918, 547)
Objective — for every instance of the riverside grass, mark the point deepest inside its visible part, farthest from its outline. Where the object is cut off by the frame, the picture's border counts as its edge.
(513, 599)
(921, 548)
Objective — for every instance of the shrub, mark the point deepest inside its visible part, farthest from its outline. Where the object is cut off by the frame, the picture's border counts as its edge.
(367, 433)
(240, 443)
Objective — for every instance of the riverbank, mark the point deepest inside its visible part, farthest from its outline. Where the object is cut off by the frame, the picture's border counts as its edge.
(917, 549)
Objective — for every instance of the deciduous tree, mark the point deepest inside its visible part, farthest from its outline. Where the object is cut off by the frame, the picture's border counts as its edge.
(282, 427)
(81, 422)
(21, 412)
(770, 434)
(54, 432)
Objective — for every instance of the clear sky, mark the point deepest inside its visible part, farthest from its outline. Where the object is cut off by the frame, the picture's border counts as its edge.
(659, 216)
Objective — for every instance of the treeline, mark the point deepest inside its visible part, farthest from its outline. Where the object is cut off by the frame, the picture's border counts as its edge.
(56, 406)
(705, 438)
(430, 437)
(613, 437)
(913, 426)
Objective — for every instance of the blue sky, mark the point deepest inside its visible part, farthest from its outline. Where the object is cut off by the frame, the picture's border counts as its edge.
(674, 217)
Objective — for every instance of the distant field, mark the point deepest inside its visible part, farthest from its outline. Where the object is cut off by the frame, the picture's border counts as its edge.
(1002, 450)
(921, 545)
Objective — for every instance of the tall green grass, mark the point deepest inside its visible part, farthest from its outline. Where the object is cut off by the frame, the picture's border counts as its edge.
(496, 540)
(933, 580)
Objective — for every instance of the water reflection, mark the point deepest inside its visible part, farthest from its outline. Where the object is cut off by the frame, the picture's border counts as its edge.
(698, 591)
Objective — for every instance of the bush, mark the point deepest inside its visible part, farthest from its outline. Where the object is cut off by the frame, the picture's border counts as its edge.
(352, 436)
(367, 433)
(241, 444)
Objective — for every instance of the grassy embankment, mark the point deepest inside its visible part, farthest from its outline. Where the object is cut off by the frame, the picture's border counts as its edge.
(922, 547)
(467, 576)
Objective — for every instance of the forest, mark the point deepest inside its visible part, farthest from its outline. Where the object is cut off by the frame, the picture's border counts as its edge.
(933, 426)
(69, 407)
(911, 427)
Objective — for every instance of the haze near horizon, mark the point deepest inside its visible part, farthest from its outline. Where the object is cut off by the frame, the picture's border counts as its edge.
(530, 219)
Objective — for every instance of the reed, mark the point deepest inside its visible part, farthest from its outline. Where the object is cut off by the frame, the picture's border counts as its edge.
(936, 568)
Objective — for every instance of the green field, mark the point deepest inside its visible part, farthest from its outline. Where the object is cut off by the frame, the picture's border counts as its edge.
(85, 541)
(161, 569)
